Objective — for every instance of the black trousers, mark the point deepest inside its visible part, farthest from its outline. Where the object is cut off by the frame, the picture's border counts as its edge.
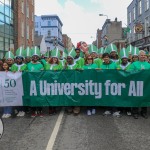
(135, 110)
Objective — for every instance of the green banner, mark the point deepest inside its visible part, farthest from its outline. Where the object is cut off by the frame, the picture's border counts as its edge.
(87, 88)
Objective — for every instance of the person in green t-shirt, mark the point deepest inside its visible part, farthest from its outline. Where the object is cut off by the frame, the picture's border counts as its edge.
(108, 64)
(135, 66)
(89, 64)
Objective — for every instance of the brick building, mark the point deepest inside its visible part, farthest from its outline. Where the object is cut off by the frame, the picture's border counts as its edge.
(67, 42)
(24, 23)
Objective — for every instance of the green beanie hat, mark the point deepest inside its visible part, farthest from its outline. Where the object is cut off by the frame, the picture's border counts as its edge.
(55, 53)
(123, 53)
(35, 51)
(9, 55)
(20, 52)
(72, 53)
(135, 51)
(92, 49)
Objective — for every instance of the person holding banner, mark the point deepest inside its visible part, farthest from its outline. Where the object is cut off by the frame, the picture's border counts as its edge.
(90, 65)
(135, 53)
(108, 64)
(71, 65)
(135, 66)
(35, 66)
(19, 66)
(53, 64)
(1, 64)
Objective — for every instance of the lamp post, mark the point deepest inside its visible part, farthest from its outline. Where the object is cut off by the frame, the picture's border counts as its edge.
(103, 15)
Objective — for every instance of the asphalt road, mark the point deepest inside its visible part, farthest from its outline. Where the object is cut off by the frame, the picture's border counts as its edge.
(81, 132)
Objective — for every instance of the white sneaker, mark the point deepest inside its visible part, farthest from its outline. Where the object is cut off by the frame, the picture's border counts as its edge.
(129, 113)
(22, 114)
(7, 115)
(89, 113)
(93, 111)
(18, 115)
(107, 112)
(4, 115)
(116, 114)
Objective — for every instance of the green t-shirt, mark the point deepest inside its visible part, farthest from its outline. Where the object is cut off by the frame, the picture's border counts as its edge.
(15, 67)
(98, 62)
(139, 65)
(111, 65)
(90, 66)
(73, 66)
(34, 67)
(80, 61)
(63, 61)
(126, 67)
(43, 61)
(52, 66)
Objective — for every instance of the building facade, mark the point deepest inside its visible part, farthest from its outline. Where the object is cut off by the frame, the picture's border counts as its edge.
(6, 26)
(98, 41)
(139, 22)
(67, 42)
(50, 26)
(24, 23)
(112, 32)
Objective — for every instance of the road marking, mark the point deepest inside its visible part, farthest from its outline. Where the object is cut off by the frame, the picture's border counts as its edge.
(55, 131)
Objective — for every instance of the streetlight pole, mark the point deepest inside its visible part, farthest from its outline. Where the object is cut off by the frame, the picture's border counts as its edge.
(103, 15)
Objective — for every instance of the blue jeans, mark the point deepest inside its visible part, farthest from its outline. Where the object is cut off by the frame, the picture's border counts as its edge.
(7, 110)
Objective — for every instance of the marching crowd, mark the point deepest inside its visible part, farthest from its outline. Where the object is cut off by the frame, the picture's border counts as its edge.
(129, 59)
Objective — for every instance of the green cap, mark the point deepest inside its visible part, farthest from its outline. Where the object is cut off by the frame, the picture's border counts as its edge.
(35, 51)
(72, 53)
(20, 52)
(112, 48)
(101, 50)
(92, 49)
(10, 55)
(55, 53)
(130, 49)
(123, 53)
(135, 51)
(28, 52)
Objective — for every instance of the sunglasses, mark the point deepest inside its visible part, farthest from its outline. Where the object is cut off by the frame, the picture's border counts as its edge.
(90, 59)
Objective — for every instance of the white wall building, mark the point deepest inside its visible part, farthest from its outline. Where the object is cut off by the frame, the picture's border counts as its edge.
(50, 26)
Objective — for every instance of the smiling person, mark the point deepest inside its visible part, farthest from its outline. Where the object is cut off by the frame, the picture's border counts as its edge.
(53, 64)
(35, 66)
(135, 54)
(89, 64)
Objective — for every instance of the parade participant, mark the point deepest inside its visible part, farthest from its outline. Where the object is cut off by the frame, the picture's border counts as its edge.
(45, 58)
(63, 57)
(27, 55)
(129, 50)
(135, 66)
(90, 65)
(94, 53)
(1, 64)
(19, 66)
(78, 59)
(34, 66)
(113, 53)
(135, 53)
(109, 64)
(71, 65)
(9, 56)
(101, 52)
(125, 65)
(53, 64)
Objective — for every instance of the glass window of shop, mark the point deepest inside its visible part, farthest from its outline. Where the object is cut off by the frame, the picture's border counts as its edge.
(6, 25)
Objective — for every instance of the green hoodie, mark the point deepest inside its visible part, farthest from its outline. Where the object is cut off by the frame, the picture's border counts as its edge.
(15, 67)
(34, 67)
(53, 66)
(111, 65)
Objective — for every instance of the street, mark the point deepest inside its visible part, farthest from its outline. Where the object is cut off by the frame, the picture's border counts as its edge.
(81, 132)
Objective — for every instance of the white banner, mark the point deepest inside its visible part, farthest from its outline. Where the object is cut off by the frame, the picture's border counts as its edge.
(11, 89)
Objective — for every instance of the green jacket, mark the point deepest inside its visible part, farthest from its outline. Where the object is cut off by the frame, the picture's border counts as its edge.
(80, 61)
(126, 67)
(98, 62)
(34, 67)
(111, 65)
(73, 66)
(15, 67)
(91, 66)
(49, 66)
(62, 62)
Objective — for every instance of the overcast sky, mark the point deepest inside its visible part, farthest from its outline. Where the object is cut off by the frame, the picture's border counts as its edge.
(81, 18)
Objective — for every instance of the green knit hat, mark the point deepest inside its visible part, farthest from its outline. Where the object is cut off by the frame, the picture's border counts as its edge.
(35, 51)
(72, 53)
(28, 52)
(9, 55)
(123, 53)
(20, 52)
(112, 48)
(92, 49)
(55, 53)
(130, 49)
(101, 50)
(135, 51)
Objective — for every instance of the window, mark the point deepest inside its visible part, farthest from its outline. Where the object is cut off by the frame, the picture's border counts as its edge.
(146, 5)
(32, 34)
(28, 11)
(133, 13)
(49, 23)
(129, 17)
(22, 29)
(36, 24)
(147, 26)
(49, 33)
(27, 31)
(32, 16)
(140, 7)
(22, 7)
